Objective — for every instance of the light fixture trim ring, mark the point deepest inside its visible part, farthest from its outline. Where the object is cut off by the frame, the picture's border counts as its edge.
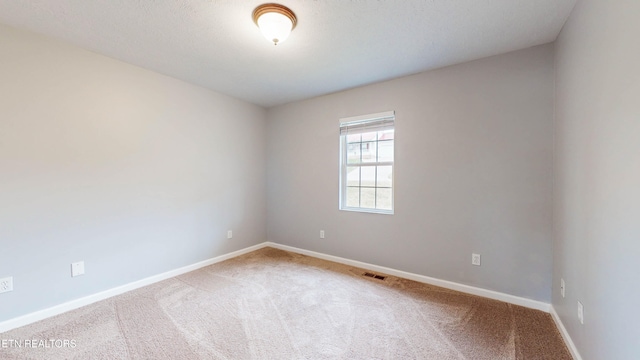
(275, 8)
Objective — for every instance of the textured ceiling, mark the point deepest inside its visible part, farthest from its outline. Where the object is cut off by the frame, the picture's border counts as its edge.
(337, 44)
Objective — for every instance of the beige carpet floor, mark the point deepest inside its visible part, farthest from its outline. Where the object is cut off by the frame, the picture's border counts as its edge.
(272, 304)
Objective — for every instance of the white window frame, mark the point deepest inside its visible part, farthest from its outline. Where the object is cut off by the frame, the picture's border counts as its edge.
(362, 124)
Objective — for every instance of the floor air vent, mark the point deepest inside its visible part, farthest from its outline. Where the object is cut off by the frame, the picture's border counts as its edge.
(375, 276)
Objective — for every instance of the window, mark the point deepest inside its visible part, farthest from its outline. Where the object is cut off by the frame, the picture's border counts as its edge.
(366, 163)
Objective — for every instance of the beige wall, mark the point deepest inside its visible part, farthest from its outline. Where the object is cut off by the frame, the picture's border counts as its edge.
(597, 178)
(137, 173)
(133, 172)
(473, 174)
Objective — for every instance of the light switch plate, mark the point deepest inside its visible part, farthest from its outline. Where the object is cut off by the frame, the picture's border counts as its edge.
(580, 313)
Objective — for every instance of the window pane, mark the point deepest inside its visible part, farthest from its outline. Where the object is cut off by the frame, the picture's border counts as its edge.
(384, 199)
(353, 176)
(385, 135)
(368, 176)
(353, 153)
(385, 151)
(353, 138)
(369, 152)
(370, 136)
(367, 167)
(368, 198)
(353, 197)
(384, 176)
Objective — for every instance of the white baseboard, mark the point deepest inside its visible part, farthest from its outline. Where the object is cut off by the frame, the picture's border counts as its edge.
(565, 334)
(516, 300)
(74, 304)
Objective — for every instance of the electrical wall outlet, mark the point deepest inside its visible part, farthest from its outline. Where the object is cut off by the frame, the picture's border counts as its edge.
(580, 313)
(562, 287)
(321, 234)
(229, 234)
(6, 284)
(77, 268)
(475, 259)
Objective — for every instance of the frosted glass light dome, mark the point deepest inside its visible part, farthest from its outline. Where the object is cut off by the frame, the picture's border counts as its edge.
(275, 22)
(275, 27)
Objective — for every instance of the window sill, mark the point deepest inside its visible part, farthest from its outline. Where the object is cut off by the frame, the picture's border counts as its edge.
(370, 211)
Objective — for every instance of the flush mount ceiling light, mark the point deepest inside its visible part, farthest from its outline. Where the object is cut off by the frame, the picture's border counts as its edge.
(275, 21)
